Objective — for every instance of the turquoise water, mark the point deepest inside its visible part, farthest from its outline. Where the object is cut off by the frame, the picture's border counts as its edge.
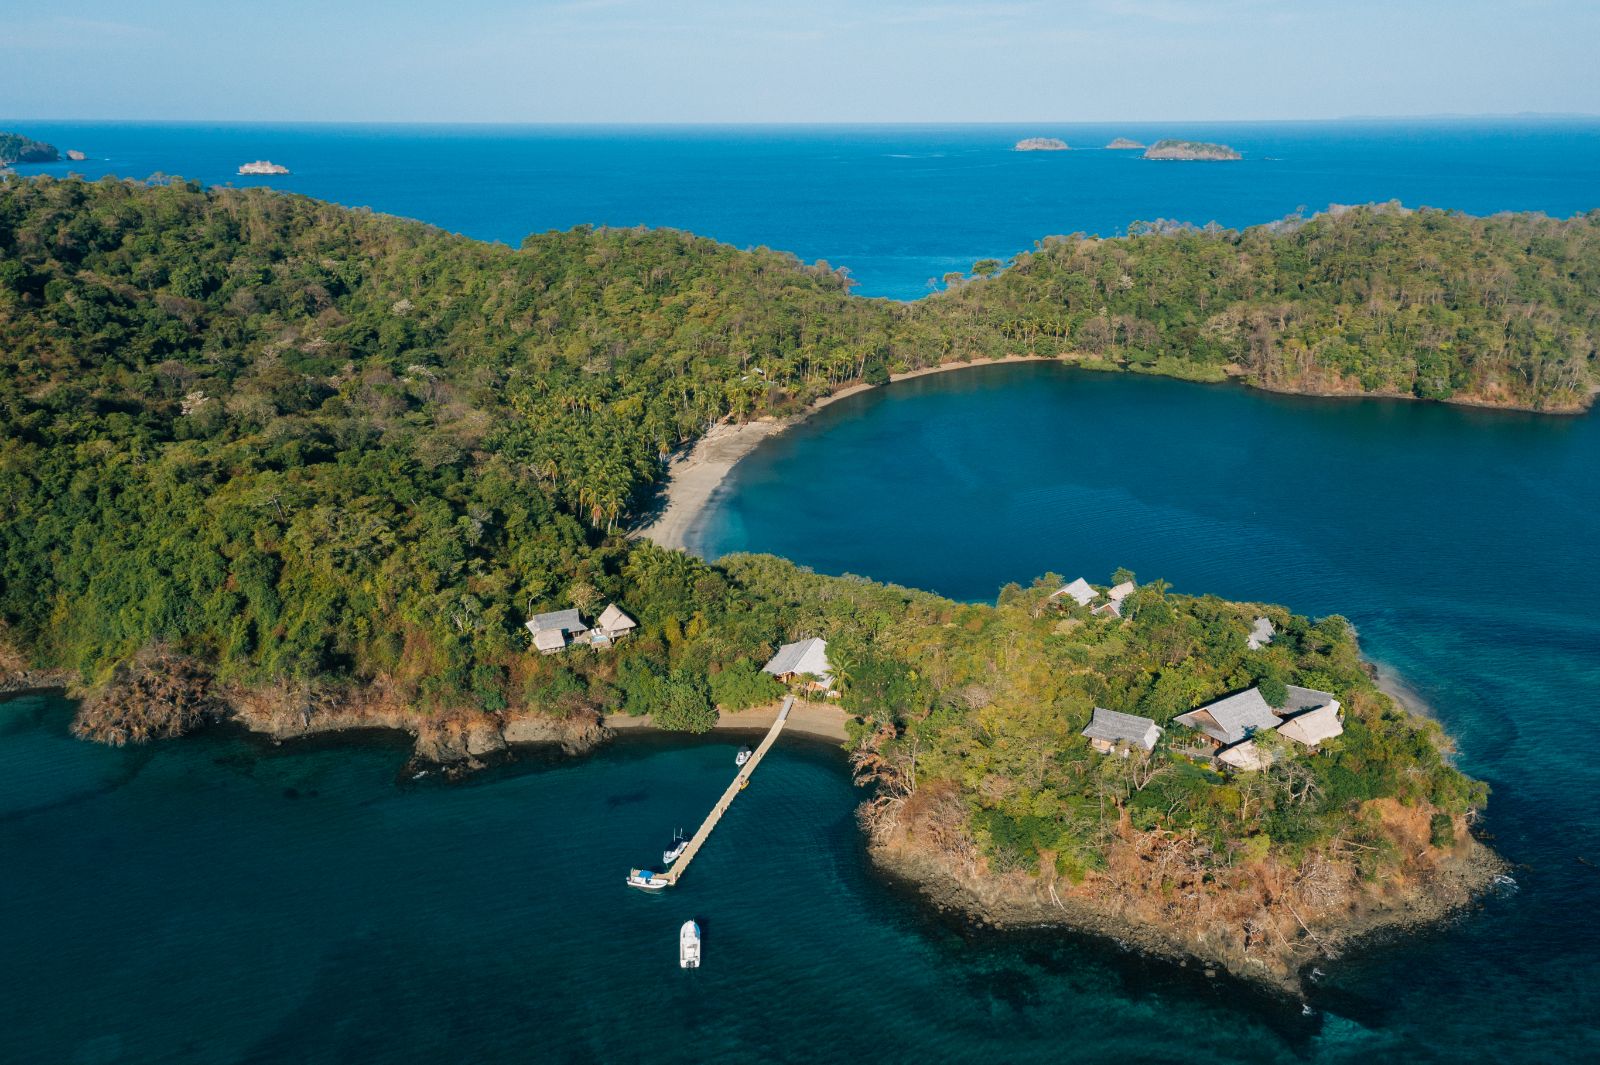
(1460, 542)
(222, 900)
(898, 205)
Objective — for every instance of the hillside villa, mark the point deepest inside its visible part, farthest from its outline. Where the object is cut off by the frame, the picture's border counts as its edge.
(1079, 591)
(1110, 731)
(556, 630)
(1115, 596)
(804, 660)
(1083, 593)
(1307, 716)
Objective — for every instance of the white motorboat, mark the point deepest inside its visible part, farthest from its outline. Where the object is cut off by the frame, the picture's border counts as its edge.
(743, 756)
(689, 946)
(646, 880)
(679, 845)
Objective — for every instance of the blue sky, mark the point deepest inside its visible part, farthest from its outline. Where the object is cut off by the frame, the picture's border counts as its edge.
(826, 61)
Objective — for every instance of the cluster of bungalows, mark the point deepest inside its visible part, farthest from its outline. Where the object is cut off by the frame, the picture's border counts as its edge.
(805, 661)
(1229, 725)
(1083, 593)
(557, 630)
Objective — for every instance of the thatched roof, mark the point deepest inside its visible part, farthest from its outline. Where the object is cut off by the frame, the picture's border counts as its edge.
(556, 621)
(1232, 719)
(1311, 727)
(1115, 727)
(1081, 591)
(804, 656)
(612, 619)
(1244, 755)
(549, 639)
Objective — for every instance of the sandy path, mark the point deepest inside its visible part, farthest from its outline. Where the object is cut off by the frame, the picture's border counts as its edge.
(814, 719)
(693, 478)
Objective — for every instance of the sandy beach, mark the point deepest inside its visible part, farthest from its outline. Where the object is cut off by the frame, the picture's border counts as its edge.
(813, 719)
(693, 477)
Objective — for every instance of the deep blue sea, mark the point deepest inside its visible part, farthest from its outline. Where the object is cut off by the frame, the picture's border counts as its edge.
(898, 205)
(223, 900)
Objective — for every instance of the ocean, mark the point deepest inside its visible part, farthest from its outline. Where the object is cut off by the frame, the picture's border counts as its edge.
(899, 206)
(220, 899)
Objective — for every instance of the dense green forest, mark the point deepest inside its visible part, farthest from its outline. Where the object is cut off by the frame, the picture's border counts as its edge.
(290, 440)
(1432, 304)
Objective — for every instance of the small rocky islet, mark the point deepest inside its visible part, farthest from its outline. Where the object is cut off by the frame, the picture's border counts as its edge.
(1166, 149)
(1190, 151)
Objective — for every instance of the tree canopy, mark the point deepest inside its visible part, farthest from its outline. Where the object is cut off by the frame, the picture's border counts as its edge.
(298, 441)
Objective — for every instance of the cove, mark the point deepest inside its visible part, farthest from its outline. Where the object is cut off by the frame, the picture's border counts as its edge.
(219, 899)
(1459, 542)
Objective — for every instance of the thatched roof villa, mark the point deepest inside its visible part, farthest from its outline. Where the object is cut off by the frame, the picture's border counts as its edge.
(1109, 729)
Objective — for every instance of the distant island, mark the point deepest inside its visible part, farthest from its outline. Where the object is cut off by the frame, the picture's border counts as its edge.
(263, 166)
(1122, 144)
(1041, 144)
(15, 148)
(1190, 151)
(75, 155)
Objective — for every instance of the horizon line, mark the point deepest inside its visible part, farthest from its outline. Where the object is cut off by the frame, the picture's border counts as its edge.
(1436, 116)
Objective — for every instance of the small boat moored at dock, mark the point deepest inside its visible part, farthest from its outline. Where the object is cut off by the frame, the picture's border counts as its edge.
(679, 845)
(646, 879)
(743, 756)
(689, 946)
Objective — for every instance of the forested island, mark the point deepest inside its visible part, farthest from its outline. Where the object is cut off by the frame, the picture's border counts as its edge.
(302, 467)
(15, 148)
(1041, 144)
(1121, 144)
(1192, 151)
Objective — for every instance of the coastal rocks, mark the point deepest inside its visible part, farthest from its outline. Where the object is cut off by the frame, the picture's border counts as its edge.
(163, 695)
(1161, 894)
(1041, 144)
(17, 676)
(289, 711)
(1190, 151)
(576, 733)
(263, 167)
(1120, 144)
(75, 155)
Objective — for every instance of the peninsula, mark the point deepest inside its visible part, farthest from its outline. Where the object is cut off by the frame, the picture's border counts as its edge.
(15, 148)
(1041, 144)
(1190, 151)
(347, 471)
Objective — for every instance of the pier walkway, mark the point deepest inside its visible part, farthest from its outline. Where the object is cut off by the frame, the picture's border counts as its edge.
(704, 832)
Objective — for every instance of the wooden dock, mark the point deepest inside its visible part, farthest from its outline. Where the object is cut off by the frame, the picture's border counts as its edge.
(704, 832)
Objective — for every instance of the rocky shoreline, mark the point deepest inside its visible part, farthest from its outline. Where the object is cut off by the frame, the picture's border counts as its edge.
(1248, 927)
(1274, 949)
